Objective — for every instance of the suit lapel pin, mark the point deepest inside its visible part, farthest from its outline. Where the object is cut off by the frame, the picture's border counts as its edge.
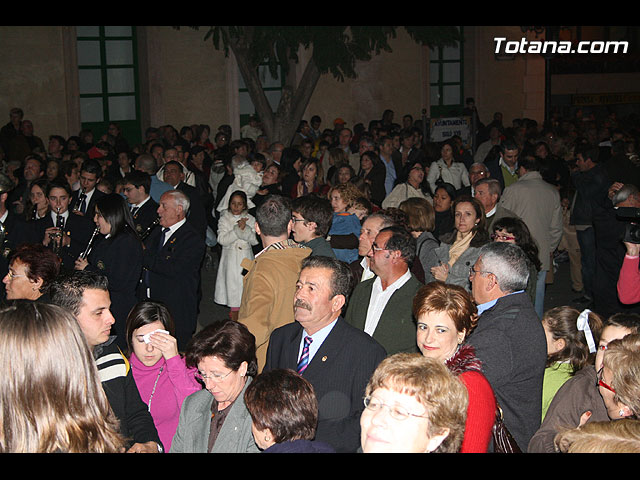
(324, 359)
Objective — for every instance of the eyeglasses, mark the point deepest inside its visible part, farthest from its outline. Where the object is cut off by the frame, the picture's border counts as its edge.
(12, 275)
(376, 248)
(397, 412)
(473, 271)
(504, 238)
(215, 377)
(294, 219)
(601, 383)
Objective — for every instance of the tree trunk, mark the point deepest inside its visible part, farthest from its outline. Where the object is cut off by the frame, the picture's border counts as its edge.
(279, 126)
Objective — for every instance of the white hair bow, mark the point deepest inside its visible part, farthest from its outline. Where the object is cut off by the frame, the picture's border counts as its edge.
(583, 324)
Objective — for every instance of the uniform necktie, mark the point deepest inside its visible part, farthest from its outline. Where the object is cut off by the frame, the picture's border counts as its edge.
(60, 221)
(134, 210)
(163, 237)
(83, 203)
(304, 358)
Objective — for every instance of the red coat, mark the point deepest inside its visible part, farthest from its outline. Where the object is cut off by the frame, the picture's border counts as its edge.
(481, 412)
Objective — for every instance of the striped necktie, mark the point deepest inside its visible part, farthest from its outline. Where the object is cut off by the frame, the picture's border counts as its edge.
(304, 358)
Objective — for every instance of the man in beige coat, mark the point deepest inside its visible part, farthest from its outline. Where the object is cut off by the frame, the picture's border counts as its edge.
(537, 203)
(270, 283)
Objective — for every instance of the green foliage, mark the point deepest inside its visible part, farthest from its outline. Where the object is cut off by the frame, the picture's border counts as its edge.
(336, 49)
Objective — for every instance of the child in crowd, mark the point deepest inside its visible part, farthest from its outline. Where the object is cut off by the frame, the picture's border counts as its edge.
(572, 337)
(361, 208)
(237, 235)
(345, 228)
(247, 177)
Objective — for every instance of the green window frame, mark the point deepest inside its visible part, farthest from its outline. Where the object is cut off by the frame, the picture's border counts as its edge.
(109, 80)
(446, 81)
(272, 89)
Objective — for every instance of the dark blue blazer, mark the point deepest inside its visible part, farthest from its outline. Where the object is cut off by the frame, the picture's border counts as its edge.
(339, 373)
(173, 276)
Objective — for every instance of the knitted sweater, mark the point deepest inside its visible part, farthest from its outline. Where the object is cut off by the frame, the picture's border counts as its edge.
(174, 383)
(481, 412)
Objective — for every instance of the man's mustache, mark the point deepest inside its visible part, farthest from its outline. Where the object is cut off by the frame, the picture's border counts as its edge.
(302, 304)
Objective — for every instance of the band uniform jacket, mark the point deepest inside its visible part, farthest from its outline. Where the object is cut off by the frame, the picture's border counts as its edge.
(119, 258)
(91, 206)
(172, 275)
(78, 227)
(145, 215)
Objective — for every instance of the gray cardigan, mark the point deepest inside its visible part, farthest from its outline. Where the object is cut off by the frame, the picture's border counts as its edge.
(459, 272)
(192, 434)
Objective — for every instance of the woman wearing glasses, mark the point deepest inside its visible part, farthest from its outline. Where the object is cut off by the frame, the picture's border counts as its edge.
(445, 315)
(514, 230)
(216, 420)
(32, 268)
(160, 372)
(578, 400)
(619, 378)
(413, 404)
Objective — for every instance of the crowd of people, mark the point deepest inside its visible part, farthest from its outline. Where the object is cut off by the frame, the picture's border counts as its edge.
(385, 291)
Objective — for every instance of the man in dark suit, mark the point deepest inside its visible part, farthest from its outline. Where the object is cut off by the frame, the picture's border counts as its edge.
(61, 230)
(382, 306)
(83, 201)
(13, 230)
(172, 260)
(137, 188)
(174, 175)
(335, 357)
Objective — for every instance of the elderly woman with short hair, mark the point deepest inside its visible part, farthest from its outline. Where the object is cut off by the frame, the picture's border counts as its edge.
(215, 419)
(413, 404)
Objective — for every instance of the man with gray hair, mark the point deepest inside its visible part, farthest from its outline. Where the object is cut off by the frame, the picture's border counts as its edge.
(509, 339)
(171, 261)
(488, 191)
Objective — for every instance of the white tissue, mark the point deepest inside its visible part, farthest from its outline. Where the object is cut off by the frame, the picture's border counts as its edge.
(147, 337)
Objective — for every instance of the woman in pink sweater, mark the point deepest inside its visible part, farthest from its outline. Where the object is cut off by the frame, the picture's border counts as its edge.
(629, 278)
(445, 315)
(159, 371)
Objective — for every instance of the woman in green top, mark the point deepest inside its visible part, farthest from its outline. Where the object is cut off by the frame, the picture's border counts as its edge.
(572, 337)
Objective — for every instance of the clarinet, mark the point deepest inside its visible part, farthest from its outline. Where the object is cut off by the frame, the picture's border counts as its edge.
(84, 254)
(76, 207)
(147, 232)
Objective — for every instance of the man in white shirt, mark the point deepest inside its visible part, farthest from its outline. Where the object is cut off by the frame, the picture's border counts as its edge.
(371, 226)
(382, 306)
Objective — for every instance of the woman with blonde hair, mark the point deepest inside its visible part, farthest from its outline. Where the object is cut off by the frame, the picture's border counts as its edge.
(622, 436)
(51, 398)
(413, 404)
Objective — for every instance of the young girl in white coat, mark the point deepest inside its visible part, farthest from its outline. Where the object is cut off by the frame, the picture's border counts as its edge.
(237, 235)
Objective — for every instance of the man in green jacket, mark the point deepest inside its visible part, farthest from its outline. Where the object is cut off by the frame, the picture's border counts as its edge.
(382, 306)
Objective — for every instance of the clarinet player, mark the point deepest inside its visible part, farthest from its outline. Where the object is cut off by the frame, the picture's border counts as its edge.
(116, 252)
